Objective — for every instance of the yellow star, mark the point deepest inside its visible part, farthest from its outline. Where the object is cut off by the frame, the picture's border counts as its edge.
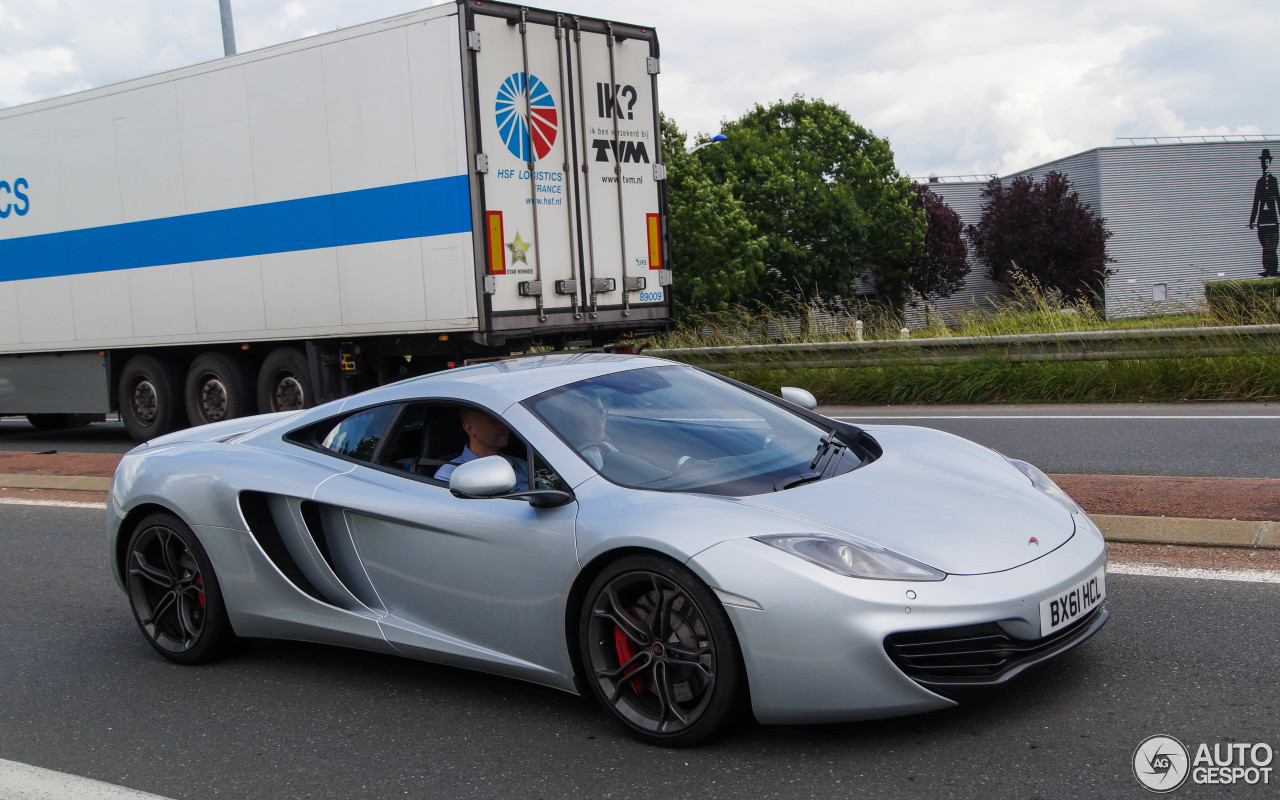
(518, 250)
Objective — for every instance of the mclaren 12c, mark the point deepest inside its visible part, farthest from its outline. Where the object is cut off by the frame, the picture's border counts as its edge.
(681, 546)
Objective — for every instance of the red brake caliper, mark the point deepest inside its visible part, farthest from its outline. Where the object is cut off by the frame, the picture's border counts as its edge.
(201, 585)
(626, 652)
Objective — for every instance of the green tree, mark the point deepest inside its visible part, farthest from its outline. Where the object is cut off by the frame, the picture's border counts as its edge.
(1047, 231)
(944, 263)
(826, 196)
(716, 255)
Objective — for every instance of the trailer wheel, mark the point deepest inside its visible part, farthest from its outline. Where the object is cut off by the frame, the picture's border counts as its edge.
(58, 422)
(284, 382)
(219, 387)
(150, 397)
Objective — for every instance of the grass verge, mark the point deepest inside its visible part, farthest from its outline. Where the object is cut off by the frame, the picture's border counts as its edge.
(1245, 377)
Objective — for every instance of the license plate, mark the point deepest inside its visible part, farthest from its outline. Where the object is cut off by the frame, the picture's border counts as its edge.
(1062, 609)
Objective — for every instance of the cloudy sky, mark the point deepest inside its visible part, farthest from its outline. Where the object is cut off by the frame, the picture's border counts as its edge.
(958, 86)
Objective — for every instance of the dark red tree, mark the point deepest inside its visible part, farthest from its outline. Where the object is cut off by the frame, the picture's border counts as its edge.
(942, 268)
(1046, 231)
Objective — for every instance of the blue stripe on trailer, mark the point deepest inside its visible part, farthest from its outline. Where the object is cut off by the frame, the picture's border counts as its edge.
(382, 214)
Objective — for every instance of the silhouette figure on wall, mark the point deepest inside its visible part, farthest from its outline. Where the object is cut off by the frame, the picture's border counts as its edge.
(1266, 199)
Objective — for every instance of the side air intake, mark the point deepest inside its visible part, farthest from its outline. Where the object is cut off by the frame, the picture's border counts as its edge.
(262, 525)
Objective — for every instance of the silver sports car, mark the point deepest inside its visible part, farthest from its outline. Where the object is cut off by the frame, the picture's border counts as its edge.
(680, 545)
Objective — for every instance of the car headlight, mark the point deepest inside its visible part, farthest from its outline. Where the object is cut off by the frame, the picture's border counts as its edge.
(854, 559)
(1045, 484)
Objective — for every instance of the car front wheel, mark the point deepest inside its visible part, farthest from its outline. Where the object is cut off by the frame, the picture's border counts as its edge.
(660, 653)
(174, 593)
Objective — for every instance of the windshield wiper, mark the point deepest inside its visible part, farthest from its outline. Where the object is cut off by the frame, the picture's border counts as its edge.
(824, 447)
(796, 480)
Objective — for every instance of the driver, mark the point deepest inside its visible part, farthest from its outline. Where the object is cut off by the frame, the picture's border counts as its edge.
(486, 436)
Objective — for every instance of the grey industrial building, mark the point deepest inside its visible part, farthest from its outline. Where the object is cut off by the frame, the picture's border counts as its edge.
(1179, 210)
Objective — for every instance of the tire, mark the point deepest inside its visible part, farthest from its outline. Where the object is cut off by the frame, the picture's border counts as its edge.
(58, 422)
(219, 387)
(284, 382)
(676, 686)
(150, 397)
(174, 593)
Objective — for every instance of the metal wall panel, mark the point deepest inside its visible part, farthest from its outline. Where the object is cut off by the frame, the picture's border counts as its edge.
(1180, 215)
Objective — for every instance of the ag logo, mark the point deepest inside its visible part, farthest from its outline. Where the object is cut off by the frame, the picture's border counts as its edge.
(525, 128)
(1161, 763)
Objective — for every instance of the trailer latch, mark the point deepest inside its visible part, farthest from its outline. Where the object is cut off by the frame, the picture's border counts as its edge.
(566, 287)
(602, 285)
(530, 288)
(634, 284)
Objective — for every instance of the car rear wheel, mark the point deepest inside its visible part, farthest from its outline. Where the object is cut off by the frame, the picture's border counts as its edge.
(174, 593)
(660, 653)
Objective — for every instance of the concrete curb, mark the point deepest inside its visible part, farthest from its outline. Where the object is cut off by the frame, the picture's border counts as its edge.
(75, 483)
(1186, 531)
(20, 781)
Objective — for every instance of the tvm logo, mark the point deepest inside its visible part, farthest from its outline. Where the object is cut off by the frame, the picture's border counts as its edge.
(610, 102)
(13, 200)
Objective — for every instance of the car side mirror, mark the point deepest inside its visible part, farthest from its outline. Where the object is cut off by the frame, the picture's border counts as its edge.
(494, 477)
(485, 477)
(800, 397)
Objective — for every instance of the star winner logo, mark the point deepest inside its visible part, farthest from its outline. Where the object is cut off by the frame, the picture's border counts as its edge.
(519, 250)
(1161, 764)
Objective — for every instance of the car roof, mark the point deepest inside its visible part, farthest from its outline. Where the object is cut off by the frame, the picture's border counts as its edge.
(496, 384)
(524, 376)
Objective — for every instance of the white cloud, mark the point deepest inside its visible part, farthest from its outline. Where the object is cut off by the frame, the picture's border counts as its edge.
(958, 86)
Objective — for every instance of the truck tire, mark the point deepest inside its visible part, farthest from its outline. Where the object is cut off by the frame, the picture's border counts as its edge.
(284, 382)
(58, 422)
(150, 397)
(219, 387)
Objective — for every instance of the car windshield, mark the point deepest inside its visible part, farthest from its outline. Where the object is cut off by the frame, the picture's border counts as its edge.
(678, 429)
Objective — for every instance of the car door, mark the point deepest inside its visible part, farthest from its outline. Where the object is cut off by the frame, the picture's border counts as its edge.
(470, 582)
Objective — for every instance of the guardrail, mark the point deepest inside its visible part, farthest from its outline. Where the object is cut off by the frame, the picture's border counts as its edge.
(1068, 346)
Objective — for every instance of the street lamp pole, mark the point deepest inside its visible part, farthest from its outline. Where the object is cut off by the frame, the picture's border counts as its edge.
(717, 139)
(228, 29)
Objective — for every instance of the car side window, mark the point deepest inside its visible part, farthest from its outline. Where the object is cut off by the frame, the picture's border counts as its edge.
(544, 477)
(358, 435)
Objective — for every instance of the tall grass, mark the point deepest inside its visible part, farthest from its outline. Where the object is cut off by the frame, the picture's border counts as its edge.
(1247, 377)
(1028, 309)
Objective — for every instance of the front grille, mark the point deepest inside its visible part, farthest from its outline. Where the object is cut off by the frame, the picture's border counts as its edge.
(980, 655)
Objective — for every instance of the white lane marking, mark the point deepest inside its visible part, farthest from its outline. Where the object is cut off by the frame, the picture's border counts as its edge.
(1056, 416)
(18, 501)
(1199, 573)
(20, 781)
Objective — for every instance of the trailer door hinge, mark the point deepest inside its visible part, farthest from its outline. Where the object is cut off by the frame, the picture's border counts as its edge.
(659, 172)
(490, 284)
(482, 163)
(664, 277)
(473, 40)
(654, 64)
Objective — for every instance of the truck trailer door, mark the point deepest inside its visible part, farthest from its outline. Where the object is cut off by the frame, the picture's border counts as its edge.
(572, 211)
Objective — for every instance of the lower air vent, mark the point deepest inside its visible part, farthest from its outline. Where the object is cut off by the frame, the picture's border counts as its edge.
(979, 655)
(257, 514)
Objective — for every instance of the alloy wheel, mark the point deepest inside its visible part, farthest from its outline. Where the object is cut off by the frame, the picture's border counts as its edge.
(652, 654)
(167, 589)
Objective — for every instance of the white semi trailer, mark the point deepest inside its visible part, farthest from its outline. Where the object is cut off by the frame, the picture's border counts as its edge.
(289, 225)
